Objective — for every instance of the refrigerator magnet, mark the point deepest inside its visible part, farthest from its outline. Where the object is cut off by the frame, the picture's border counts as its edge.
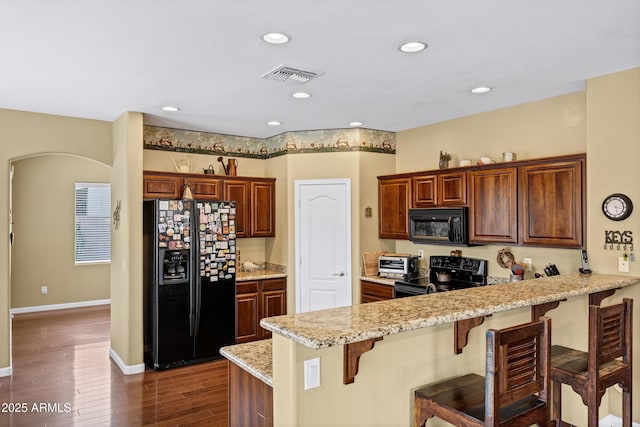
(173, 205)
(207, 208)
(180, 205)
(163, 205)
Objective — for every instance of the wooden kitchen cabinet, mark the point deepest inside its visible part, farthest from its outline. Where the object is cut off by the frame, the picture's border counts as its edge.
(254, 197)
(255, 205)
(255, 300)
(493, 205)
(273, 300)
(551, 201)
(394, 197)
(441, 189)
(425, 191)
(452, 189)
(204, 188)
(247, 309)
(161, 186)
(238, 190)
(250, 399)
(372, 291)
(537, 202)
(263, 208)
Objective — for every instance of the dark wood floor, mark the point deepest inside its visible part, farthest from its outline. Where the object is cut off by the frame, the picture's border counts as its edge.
(63, 376)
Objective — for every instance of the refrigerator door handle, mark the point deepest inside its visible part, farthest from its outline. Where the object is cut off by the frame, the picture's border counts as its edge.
(191, 315)
(198, 304)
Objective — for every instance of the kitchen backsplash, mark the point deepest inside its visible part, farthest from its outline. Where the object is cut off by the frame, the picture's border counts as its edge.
(278, 268)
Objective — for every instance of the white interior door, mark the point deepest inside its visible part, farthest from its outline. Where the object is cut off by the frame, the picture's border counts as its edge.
(323, 244)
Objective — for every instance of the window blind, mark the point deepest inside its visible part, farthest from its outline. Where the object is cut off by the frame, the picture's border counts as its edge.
(93, 222)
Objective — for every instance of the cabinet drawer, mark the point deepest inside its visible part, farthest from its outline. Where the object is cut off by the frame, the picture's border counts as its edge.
(247, 287)
(274, 284)
(376, 290)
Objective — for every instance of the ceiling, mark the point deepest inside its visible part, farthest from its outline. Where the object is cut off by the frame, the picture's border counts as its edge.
(98, 59)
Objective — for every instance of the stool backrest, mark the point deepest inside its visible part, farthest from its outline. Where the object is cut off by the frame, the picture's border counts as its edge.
(610, 333)
(518, 363)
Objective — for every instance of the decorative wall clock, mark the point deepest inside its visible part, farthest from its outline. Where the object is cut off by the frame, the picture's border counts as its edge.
(617, 207)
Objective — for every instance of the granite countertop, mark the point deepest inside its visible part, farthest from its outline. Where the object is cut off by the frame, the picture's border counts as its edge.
(254, 357)
(344, 325)
(387, 281)
(242, 276)
(378, 279)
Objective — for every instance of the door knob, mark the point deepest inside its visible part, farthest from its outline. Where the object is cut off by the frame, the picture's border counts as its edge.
(339, 274)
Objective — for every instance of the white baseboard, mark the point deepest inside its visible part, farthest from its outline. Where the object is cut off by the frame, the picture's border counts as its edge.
(6, 372)
(126, 369)
(613, 421)
(59, 306)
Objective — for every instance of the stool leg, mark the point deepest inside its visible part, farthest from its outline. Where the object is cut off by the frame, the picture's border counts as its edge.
(626, 406)
(593, 410)
(557, 403)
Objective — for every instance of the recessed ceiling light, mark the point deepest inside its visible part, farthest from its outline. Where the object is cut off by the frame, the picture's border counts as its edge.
(276, 38)
(356, 124)
(481, 89)
(413, 47)
(301, 95)
(274, 123)
(170, 108)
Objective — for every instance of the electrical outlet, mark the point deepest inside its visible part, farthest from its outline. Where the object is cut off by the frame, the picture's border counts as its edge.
(44, 290)
(312, 373)
(420, 253)
(527, 262)
(623, 264)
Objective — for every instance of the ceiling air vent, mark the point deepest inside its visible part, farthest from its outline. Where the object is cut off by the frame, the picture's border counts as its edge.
(283, 73)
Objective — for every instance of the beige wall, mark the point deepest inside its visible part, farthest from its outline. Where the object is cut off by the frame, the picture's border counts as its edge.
(126, 243)
(43, 224)
(549, 127)
(595, 122)
(613, 150)
(25, 134)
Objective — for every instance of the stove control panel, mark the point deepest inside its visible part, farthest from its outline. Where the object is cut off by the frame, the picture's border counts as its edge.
(475, 266)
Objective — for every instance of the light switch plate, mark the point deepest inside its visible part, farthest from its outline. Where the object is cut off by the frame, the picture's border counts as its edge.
(312, 373)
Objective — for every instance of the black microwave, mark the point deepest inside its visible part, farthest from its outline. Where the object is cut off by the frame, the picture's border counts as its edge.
(445, 226)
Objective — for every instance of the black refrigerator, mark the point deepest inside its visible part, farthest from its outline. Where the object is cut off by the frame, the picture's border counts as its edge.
(189, 281)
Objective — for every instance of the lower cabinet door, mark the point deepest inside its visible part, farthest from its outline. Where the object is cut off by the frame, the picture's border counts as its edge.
(247, 306)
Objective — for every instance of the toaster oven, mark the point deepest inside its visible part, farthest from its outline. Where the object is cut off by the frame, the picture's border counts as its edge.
(396, 266)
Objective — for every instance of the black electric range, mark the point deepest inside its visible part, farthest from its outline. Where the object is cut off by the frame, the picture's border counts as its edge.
(446, 273)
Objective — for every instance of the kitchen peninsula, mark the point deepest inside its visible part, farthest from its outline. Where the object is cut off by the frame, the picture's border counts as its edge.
(368, 368)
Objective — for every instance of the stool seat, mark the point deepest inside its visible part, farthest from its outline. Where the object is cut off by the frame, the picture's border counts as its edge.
(513, 392)
(576, 364)
(466, 394)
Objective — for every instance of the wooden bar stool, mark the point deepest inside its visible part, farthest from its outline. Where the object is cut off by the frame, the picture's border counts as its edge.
(608, 362)
(514, 392)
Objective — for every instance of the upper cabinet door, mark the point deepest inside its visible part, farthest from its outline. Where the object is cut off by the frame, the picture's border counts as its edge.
(452, 189)
(425, 191)
(263, 208)
(204, 188)
(394, 196)
(493, 207)
(161, 186)
(551, 200)
(238, 190)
